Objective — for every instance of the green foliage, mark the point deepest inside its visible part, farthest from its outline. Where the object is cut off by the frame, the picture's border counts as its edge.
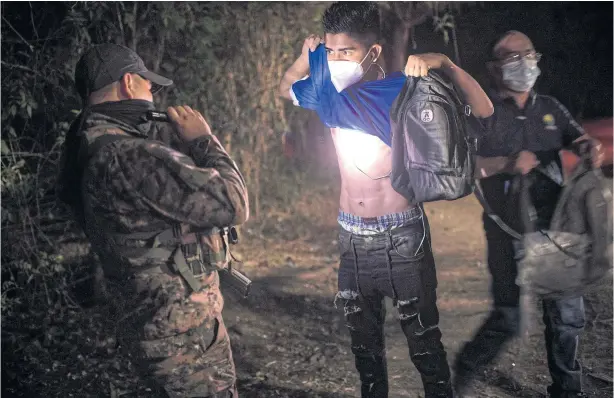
(443, 24)
(226, 59)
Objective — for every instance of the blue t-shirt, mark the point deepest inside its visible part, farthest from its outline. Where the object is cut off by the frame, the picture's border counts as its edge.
(364, 106)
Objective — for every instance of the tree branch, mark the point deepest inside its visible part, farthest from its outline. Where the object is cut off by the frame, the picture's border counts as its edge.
(25, 68)
(17, 33)
(120, 22)
(411, 14)
(37, 73)
(161, 49)
(135, 37)
(32, 20)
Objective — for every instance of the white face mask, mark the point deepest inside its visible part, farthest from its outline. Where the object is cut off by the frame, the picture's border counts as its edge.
(345, 73)
(520, 76)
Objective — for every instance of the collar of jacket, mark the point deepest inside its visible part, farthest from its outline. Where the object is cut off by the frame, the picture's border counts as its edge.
(495, 96)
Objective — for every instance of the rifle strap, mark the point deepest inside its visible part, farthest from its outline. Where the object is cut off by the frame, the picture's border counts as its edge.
(177, 247)
(181, 267)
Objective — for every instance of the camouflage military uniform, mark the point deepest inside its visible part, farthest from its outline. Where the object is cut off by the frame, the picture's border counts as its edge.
(141, 185)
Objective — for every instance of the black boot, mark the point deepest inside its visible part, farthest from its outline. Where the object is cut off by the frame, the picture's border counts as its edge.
(555, 392)
(438, 390)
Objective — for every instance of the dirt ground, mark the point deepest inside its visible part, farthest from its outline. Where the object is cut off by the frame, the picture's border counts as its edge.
(289, 340)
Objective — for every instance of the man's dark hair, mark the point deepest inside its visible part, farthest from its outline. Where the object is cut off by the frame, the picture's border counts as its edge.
(495, 42)
(360, 20)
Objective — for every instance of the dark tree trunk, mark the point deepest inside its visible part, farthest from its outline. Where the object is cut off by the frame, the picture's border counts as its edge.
(399, 45)
(397, 20)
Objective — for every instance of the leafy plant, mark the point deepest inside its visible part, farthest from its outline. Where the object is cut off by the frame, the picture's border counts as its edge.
(226, 59)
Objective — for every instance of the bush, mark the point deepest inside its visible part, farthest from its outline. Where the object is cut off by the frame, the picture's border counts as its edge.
(226, 59)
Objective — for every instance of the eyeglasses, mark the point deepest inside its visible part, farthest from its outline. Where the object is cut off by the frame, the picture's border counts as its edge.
(533, 56)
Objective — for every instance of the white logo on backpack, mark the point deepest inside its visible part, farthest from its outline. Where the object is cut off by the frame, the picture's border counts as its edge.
(426, 116)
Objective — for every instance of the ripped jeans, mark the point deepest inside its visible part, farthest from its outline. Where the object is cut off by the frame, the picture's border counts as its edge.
(397, 264)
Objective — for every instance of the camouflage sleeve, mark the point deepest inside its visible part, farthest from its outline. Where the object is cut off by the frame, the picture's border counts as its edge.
(208, 191)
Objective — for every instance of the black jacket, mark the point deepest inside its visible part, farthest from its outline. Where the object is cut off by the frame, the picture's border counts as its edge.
(543, 127)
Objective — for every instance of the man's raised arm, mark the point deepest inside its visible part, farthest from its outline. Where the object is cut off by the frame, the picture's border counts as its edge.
(300, 67)
(419, 65)
(204, 190)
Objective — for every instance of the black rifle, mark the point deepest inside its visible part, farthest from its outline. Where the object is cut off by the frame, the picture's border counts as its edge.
(236, 280)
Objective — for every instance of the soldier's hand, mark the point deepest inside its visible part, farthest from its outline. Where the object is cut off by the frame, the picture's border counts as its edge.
(190, 124)
(525, 162)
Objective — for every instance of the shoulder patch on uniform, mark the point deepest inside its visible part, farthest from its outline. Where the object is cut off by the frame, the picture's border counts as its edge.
(548, 119)
(549, 122)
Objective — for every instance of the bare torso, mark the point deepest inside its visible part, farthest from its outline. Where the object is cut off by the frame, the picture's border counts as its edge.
(365, 163)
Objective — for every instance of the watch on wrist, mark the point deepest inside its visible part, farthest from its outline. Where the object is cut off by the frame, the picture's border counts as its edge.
(201, 144)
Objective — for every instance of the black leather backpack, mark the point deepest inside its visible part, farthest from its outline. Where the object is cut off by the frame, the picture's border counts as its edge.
(433, 150)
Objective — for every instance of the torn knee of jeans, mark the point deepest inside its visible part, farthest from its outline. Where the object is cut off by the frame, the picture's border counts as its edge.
(402, 303)
(350, 309)
(406, 311)
(363, 351)
(420, 354)
(404, 317)
(425, 330)
(346, 295)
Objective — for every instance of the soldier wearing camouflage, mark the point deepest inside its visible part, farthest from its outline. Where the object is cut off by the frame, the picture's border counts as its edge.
(128, 188)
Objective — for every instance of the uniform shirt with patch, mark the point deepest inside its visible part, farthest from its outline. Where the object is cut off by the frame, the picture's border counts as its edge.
(543, 127)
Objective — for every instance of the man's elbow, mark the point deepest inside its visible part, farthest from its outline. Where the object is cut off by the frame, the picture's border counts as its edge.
(484, 111)
(490, 109)
(241, 208)
(241, 215)
(284, 91)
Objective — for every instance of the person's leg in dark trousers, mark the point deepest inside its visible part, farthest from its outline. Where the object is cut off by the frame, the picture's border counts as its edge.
(502, 324)
(413, 283)
(564, 320)
(365, 314)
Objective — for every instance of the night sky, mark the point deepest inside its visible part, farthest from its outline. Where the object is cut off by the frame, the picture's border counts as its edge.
(575, 40)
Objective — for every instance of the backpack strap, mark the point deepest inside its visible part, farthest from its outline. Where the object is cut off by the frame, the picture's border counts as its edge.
(463, 109)
(479, 194)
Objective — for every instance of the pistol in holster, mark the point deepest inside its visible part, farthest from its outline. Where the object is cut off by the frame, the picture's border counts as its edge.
(192, 254)
(211, 252)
